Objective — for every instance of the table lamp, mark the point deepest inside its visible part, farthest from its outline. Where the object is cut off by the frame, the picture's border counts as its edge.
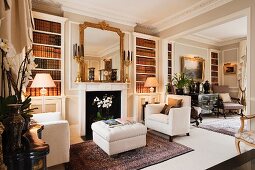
(43, 80)
(151, 82)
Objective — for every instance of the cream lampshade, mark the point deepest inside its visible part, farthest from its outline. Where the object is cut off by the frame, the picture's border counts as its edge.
(43, 80)
(151, 82)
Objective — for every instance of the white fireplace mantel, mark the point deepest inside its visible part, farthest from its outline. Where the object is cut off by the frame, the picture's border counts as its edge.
(94, 86)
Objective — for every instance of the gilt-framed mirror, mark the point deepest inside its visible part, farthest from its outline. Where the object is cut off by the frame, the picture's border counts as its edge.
(103, 50)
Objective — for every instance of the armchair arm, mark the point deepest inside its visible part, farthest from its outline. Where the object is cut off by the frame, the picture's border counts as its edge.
(179, 119)
(153, 108)
(245, 117)
(57, 135)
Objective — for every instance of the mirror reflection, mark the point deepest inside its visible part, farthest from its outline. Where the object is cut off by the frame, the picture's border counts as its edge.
(101, 52)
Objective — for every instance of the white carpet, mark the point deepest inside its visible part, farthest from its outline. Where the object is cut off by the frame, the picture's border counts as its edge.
(210, 148)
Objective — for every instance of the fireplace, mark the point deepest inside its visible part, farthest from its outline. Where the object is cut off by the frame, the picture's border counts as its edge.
(86, 87)
(114, 111)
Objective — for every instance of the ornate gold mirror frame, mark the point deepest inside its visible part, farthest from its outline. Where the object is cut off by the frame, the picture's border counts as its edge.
(104, 26)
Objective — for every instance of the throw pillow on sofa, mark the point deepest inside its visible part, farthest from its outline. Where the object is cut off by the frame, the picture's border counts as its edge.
(166, 109)
(225, 97)
(174, 102)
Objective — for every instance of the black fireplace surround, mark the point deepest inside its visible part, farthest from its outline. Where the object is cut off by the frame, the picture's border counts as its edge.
(91, 110)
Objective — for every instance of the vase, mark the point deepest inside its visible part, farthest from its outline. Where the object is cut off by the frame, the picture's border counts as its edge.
(13, 124)
(179, 91)
(114, 75)
(197, 89)
(206, 87)
(91, 74)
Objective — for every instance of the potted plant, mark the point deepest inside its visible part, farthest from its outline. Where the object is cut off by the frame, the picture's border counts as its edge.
(180, 81)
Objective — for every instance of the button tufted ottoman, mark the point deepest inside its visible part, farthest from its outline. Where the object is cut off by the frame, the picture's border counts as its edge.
(119, 139)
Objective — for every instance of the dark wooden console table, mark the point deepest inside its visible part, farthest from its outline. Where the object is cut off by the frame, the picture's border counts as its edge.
(33, 154)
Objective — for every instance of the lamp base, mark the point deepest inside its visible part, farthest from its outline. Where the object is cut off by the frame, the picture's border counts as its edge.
(43, 92)
(152, 90)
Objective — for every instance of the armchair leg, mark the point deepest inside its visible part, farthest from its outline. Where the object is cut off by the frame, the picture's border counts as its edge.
(187, 134)
(238, 146)
(170, 138)
(67, 167)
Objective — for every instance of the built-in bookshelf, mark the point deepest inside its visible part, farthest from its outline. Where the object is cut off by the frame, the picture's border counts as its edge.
(169, 63)
(214, 68)
(48, 50)
(146, 62)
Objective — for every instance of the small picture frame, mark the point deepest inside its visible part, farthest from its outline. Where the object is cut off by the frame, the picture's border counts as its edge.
(230, 68)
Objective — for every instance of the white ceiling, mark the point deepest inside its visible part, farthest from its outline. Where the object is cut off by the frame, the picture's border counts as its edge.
(98, 43)
(223, 33)
(158, 14)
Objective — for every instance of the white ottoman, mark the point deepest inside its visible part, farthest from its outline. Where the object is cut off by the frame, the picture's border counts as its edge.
(119, 139)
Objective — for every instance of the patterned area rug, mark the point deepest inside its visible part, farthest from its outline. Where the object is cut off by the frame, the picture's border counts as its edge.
(89, 156)
(228, 126)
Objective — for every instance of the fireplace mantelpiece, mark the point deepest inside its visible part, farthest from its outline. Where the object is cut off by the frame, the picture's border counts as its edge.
(94, 86)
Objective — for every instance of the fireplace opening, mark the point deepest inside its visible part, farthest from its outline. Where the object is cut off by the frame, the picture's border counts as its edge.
(98, 106)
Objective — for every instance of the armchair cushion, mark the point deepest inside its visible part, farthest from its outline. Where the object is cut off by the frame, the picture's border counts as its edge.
(225, 97)
(232, 106)
(162, 118)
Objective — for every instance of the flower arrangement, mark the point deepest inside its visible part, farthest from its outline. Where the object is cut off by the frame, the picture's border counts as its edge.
(103, 105)
(14, 79)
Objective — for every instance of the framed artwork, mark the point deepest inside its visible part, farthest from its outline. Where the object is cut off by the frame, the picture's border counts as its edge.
(193, 67)
(229, 68)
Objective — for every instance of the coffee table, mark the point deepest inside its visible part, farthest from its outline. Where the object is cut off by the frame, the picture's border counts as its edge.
(244, 161)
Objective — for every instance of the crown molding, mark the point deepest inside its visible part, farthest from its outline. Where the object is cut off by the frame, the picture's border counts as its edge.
(199, 8)
(213, 41)
(90, 10)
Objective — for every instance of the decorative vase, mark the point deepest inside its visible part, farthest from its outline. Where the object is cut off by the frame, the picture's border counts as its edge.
(91, 74)
(13, 124)
(206, 87)
(197, 89)
(192, 88)
(114, 75)
(179, 91)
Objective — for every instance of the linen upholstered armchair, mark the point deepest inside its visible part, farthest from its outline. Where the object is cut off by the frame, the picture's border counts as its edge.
(175, 121)
(225, 101)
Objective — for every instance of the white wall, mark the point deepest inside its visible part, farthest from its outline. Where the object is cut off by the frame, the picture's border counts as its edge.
(181, 49)
(71, 90)
(230, 55)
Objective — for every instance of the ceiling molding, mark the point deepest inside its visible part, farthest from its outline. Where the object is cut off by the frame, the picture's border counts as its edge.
(199, 8)
(87, 9)
(211, 41)
(201, 39)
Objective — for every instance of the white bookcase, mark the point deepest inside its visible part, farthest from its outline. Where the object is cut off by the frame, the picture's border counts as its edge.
(48, 50)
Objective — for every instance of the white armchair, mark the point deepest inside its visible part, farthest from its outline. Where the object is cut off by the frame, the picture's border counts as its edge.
(56, 133)
(175, 123)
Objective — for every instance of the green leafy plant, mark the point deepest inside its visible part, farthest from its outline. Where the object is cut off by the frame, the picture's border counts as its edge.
(180, 80)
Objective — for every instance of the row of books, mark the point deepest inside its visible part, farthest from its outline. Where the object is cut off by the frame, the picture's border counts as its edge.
(55, 91)
(46, 39)
(169, 78)
(214, 61)
(214, 55)
(56, 75)
(142, 69)
(214, 79)
(145, 52)
(141, 89)
(169, 55)
(169, 63)
(169, 47)
(48, 26)
(169, 70)
(142, 77)
(145, 61)
(47, 52)
(48, 64)
(145, 43)
(214, 68)
(215, 74)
